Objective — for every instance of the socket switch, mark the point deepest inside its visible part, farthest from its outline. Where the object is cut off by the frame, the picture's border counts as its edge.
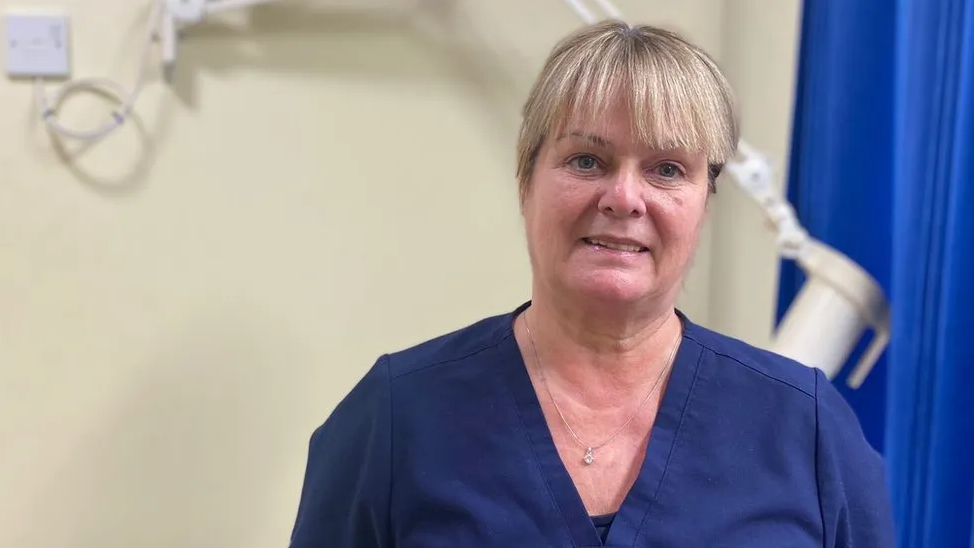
(36, 45)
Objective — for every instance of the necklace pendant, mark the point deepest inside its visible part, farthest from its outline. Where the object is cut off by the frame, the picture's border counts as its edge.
(589, 457)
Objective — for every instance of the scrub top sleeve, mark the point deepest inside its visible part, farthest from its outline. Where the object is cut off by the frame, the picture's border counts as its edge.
(853, 493)
(345, 497)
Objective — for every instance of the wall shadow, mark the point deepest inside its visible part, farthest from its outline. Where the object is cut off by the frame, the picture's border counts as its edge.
(344, 43)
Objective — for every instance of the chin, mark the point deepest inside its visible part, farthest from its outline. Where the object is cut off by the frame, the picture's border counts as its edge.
(613, 288)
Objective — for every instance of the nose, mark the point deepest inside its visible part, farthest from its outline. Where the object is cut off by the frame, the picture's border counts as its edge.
(623, 196)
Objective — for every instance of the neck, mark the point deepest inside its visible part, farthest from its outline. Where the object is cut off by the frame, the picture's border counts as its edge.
(607, 353)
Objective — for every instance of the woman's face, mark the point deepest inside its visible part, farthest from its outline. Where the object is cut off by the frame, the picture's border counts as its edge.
(611, 220)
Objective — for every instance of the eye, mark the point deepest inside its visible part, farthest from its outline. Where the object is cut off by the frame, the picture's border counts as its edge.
(584, 162)
(669, 170)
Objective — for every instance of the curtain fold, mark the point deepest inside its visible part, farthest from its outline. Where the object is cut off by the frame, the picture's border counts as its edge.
(930, 425)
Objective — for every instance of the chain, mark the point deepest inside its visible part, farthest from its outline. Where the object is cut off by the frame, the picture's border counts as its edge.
(589, 457)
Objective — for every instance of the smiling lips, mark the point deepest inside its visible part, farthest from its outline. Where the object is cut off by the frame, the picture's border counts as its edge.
(616, 245)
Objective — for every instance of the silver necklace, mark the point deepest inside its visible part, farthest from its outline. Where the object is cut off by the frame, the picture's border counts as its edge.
(589, 456)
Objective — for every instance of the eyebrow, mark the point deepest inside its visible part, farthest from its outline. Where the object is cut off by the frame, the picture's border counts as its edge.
(669, 147)
(596, 140)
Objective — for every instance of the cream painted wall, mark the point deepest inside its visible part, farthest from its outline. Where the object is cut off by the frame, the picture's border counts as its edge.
(183, 303)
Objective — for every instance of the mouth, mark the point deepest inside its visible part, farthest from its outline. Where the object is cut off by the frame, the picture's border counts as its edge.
(616, 246)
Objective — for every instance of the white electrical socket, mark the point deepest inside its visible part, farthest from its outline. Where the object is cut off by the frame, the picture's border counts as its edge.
(36, 45)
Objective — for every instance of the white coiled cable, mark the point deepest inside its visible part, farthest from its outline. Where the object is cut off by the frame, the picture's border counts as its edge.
(48, 106)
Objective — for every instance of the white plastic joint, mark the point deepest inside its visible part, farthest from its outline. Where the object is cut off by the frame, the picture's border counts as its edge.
(186, 11)
(753, 173)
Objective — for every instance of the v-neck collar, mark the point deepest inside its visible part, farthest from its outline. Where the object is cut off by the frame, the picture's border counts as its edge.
(627, 525)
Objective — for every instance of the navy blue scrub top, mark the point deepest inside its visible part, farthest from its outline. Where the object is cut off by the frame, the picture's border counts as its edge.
(444, 445)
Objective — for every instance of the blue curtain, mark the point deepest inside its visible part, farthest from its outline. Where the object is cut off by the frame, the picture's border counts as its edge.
(882, 168)
(930, 429)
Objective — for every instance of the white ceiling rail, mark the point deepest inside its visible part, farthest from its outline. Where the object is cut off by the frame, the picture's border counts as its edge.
(179, 14)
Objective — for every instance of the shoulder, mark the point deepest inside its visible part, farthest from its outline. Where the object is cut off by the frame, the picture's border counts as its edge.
(805, 410)
(769, 399)
(765, 371)
(852, 482)
(347, 487)
(463, 343)
(739, 358)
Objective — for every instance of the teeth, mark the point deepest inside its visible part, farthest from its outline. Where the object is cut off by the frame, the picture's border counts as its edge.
(617, 247)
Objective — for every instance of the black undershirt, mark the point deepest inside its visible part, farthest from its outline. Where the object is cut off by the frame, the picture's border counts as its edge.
(602, 524)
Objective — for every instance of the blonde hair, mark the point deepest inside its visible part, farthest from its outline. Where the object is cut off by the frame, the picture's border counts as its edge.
(678, 96)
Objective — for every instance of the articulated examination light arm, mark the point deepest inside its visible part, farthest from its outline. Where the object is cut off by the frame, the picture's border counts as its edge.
(839, 300)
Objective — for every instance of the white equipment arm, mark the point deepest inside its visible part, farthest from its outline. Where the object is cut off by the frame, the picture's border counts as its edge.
(752, 172)
(839, 300)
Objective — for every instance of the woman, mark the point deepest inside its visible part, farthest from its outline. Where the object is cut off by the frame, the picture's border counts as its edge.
(597, 414)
